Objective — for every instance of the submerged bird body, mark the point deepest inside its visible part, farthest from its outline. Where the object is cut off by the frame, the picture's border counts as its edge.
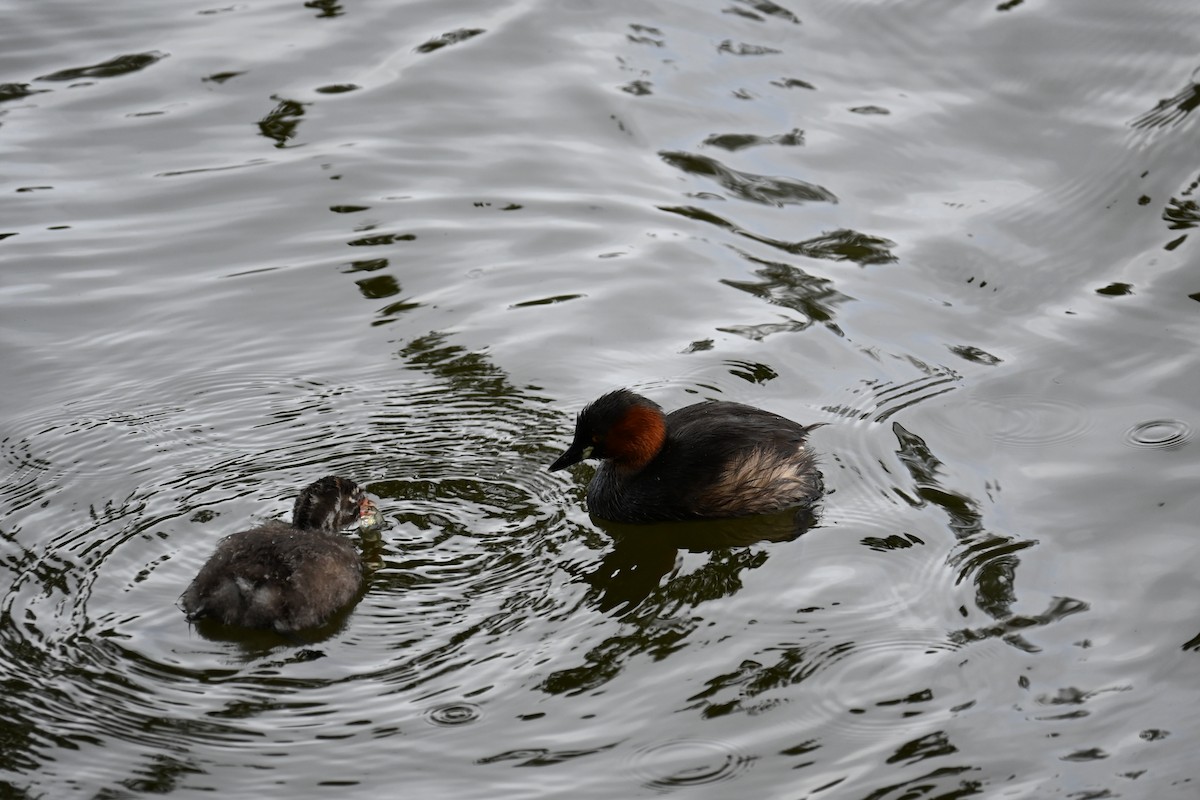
(286, 577)
(710, 460)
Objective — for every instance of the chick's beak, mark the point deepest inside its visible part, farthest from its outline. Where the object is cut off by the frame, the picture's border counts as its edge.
(369, 515)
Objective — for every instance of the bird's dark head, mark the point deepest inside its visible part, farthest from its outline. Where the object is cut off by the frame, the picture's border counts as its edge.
(622, 426)
(331, 504)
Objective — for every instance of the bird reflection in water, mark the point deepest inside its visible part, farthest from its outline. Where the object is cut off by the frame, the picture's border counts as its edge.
(642, 554)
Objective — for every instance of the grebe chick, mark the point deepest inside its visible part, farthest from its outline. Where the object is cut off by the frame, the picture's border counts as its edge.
(709, 460)
(286, 577)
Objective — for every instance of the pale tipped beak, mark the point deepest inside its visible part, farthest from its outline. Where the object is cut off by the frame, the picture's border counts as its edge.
(575, 453)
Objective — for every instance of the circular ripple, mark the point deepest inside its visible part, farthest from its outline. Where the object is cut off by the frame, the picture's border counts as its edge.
(1023, 420)
(129, 430)
(454, 714)
(873, 688)
(688, 762)
(90, 438)
(1166, 434)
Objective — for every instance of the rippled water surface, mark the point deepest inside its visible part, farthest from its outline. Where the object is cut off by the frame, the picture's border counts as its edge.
(245, 245)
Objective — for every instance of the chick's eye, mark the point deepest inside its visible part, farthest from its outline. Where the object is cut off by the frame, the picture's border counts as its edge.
(595, 438)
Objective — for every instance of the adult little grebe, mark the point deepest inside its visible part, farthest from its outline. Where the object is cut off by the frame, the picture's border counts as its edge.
(709, 460)
(286, 577)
